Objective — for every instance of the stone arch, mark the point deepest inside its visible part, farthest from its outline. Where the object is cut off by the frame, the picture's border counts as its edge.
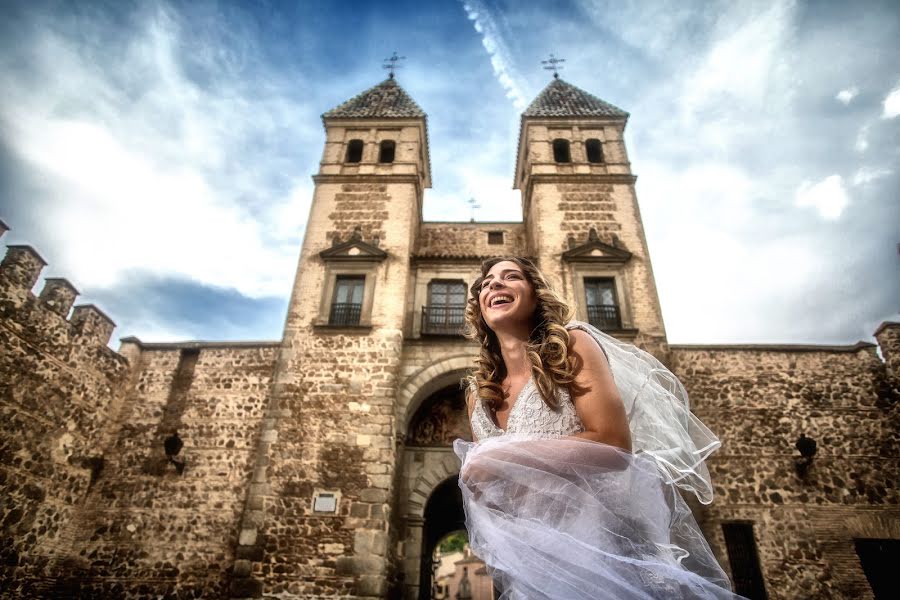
(434, 474)
(424, 383)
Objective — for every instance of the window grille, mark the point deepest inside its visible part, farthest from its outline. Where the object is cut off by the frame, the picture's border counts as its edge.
(446, 309)
(346, 306)
(495, 237)
(602, 306)
(744, 560)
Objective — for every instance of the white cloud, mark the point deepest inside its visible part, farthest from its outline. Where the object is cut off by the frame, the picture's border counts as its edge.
(847, 95)
(501, 59)
(745, 64)
(865, 175)
(891, 104)
(158, 174)
(827, 196)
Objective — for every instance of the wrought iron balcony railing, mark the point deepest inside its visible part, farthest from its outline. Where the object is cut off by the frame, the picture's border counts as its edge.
(604, 316)
(443, 320)
(344, 313)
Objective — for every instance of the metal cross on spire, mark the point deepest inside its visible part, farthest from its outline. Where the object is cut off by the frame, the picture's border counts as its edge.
(552, 64)
(472, 206)
(391, 64)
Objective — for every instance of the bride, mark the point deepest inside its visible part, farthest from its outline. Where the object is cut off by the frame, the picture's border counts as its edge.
(580, 442)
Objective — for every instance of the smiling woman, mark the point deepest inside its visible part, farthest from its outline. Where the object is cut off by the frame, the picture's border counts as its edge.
(581, 441)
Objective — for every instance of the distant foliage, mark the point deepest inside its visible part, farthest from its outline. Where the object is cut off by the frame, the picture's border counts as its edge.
(455, 542)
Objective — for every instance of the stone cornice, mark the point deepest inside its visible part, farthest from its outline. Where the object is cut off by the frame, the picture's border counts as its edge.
(198, 344)
(858, 346)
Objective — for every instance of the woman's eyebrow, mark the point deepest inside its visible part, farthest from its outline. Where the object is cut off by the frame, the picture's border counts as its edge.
(503, 272)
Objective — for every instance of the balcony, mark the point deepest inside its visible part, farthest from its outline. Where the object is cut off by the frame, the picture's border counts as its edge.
(604, 316)
(443, 320)
(344, 314)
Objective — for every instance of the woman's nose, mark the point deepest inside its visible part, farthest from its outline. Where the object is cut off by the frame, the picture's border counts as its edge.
(495, 284)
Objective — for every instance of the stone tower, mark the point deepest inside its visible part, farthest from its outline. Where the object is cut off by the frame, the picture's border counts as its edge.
(581, 213)
(324, 475)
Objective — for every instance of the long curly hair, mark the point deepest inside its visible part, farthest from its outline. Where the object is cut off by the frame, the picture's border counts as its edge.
(552, 366)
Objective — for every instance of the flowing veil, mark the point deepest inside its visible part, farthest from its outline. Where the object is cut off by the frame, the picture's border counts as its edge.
(567, 518)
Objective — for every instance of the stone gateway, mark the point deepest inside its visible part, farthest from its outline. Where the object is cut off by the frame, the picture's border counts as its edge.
(319, 465)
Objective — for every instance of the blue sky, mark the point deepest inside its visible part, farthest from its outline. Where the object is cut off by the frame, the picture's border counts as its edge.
(158, 154)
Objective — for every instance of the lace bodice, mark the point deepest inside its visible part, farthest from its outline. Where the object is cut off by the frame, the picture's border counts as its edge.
(529, 414)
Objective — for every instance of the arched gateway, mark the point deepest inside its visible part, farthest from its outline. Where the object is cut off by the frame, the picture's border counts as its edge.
(429, 503)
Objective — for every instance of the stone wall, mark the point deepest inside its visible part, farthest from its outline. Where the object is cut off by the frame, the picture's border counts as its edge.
(469, 240)
(60, 385)
(759, 400)
(148, 530)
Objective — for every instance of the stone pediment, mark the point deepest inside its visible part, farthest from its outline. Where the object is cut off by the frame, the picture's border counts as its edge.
(596, 251)
(354, 250)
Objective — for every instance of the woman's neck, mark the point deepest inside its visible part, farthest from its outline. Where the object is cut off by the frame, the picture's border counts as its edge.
(512, 350)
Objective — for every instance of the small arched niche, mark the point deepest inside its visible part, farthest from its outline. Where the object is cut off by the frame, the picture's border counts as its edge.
(386, 151)
(594, 150)
(354, 151)
(561, 152)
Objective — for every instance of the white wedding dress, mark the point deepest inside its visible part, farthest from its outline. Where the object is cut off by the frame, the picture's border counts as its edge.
(557, 517)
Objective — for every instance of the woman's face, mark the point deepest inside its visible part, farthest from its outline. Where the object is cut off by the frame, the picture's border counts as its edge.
(507, 298)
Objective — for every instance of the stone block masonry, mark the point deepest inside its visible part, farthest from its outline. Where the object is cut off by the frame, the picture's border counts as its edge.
(759, 399)
(60, 386)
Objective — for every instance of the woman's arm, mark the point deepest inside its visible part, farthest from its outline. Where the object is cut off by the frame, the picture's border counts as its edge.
(596, 396)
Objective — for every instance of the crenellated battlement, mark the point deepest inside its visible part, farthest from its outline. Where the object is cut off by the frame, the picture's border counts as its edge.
(20, 271)
(60, 387)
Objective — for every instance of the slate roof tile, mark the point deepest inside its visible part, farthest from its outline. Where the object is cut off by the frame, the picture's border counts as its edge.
(385, 100)
(562, 99)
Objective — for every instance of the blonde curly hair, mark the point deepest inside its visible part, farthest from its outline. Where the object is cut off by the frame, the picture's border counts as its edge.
(552, 365)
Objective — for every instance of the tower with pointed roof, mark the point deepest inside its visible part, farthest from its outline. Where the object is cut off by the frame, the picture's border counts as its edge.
(328, 438)
(581, 214)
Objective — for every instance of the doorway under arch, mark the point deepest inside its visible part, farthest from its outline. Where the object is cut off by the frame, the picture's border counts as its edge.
(443, 515)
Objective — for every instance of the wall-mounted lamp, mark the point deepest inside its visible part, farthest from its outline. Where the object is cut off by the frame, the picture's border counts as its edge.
(807, 448)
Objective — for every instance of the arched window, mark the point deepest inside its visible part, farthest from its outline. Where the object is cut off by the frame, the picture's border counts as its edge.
(354, 151)
(561, 151)
(594, 151)
(386, 151)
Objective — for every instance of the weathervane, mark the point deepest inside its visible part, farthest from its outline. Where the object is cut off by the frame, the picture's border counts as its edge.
(552, 64)
(391, 64)
(472, 205)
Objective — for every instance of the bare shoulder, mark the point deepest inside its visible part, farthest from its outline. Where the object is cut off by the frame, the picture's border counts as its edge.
(586, 348)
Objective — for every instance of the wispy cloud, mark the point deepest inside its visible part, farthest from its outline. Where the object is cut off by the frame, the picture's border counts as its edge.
(157, 166)
(501, 59)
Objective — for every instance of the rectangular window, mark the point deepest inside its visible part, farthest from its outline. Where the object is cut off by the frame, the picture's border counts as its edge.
(602, 307)
(495, 237)
(744, 560)
(879, 559)
(346, 306)
(445, 312)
